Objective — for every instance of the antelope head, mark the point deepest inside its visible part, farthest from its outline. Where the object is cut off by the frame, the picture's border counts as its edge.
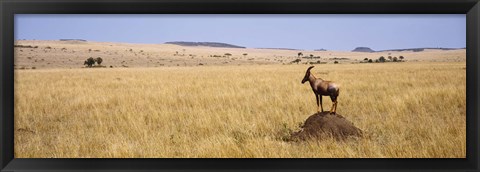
(307, 75)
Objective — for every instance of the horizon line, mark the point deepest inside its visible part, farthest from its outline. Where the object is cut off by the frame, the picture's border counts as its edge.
(284, 48)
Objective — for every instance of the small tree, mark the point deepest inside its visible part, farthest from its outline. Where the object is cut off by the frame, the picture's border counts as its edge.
(99, 60)
(365, 59)
(390, 58)
(370, 60)
(300, 54)
(395, 59)
(228, 54)
(401, 57)
(311, 56)
(335, 62)
(245, 54)
(381, 59)
(89, 62)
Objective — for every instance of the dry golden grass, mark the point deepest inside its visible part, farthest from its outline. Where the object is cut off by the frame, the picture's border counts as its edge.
(405, 109)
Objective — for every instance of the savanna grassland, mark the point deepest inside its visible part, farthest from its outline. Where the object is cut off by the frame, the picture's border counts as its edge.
(406, 110)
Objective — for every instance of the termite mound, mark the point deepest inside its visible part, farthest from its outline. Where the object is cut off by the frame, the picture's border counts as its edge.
(324, 125)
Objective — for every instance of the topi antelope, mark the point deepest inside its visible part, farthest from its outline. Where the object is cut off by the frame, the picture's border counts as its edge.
(321, 88)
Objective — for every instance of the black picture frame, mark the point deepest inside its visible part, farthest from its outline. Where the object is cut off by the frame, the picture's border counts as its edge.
(8, 8)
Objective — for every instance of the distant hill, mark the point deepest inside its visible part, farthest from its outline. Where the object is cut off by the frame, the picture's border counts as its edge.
(281, 49)
(363, 49)
(206, 44)
(366, 49)
(80, 40)
(420, 49)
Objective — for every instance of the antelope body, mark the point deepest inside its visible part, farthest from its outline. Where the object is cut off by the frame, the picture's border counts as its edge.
(321, 88)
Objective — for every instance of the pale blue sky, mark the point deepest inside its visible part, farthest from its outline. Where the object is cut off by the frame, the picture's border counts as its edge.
(332, 32)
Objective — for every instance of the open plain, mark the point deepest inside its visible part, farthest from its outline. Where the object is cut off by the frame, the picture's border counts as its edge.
(174, 101)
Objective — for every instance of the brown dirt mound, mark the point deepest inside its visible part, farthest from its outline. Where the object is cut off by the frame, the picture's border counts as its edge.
(323, 125)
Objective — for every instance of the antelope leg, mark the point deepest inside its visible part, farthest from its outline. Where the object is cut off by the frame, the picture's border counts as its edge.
(331, 110)
(321, 103)
(335, 111)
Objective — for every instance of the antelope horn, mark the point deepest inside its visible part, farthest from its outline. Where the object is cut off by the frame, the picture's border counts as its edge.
(310, 68)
